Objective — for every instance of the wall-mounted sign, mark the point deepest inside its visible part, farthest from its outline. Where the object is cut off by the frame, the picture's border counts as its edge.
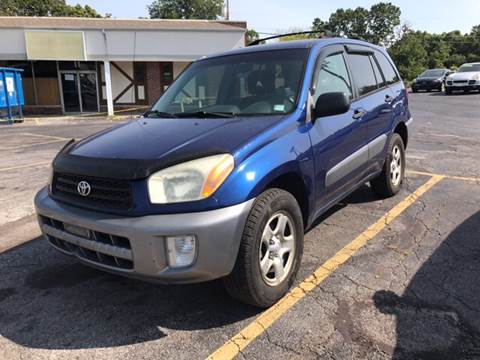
(55, 45)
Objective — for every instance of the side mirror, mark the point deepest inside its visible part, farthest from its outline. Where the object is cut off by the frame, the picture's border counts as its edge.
(329, 104)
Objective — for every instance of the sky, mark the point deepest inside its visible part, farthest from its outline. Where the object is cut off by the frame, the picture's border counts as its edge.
(273, 16)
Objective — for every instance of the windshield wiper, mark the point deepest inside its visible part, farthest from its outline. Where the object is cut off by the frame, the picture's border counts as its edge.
(158, 114)
(206, 114)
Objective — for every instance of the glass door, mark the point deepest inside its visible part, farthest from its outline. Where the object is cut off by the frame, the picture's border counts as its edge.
(88, 92)
(71, 99)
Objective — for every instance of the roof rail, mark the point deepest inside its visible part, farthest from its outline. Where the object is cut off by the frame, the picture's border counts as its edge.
(323, 34)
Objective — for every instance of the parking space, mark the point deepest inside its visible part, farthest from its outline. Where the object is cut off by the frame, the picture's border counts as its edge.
(380, 279)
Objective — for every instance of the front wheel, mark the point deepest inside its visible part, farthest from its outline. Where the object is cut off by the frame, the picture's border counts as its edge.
(270, 252)
(389, 182)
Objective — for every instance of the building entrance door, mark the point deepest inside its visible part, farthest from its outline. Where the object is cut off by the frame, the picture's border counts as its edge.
(71, 100)
(79, 91)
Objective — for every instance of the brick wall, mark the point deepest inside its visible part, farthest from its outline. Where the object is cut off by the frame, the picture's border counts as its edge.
(154, 83)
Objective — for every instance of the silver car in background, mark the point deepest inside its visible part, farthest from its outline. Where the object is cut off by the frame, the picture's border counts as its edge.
(466, 79)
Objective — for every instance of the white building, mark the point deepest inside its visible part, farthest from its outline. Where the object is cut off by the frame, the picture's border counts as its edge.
(74, 65)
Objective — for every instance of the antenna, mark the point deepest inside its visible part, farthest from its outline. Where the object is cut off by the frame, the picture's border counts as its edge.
(323, 34)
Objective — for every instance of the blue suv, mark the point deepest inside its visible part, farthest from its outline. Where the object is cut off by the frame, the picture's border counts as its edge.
(230, 167)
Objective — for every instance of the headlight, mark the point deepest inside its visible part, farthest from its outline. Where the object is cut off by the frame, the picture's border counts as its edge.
(190, 181)
(414, 80)
(476, 77)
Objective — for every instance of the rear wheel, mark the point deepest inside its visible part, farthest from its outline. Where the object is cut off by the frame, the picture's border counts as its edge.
(389, 182)
(270, 252)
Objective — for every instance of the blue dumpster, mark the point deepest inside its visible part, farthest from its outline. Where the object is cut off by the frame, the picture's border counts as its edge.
(11, 93)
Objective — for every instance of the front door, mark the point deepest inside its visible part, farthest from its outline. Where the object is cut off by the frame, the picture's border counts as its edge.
(338, 141)
(71, 99)
(79, 90)
(88, 92)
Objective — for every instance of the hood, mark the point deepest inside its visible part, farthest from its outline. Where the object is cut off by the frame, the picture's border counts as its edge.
(463, 75)
(136, 149)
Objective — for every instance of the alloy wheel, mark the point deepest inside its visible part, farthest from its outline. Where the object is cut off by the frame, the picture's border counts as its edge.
(277, 249)
(396, 166)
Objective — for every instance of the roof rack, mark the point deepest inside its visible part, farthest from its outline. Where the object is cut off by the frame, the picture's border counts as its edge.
(323, 34)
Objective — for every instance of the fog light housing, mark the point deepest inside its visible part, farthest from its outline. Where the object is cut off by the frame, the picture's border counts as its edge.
(181, 250)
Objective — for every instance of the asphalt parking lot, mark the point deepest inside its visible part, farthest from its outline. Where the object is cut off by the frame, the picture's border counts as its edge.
(380, 279)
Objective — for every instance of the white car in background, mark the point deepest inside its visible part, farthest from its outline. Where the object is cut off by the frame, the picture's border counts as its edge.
(467, 78)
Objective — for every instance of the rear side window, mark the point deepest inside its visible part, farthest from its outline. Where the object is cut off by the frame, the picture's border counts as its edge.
(333, 77)
(362, 72)
(391, 76)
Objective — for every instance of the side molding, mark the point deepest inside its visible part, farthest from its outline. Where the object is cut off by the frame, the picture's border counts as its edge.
(355, 160)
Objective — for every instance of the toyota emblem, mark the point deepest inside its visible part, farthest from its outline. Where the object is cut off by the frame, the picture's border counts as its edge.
(84, 188)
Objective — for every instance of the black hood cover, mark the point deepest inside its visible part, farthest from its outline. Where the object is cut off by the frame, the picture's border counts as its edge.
(138, 148)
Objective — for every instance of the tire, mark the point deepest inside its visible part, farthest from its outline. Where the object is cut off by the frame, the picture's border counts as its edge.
(247, 282)
(389, 182)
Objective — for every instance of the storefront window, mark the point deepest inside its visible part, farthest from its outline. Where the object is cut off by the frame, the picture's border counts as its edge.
(77, 65)
(167, 73)
(45, 69)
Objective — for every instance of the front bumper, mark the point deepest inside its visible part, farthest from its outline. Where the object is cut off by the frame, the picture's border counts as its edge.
(135, 246)
(465, 86)
(427, 86)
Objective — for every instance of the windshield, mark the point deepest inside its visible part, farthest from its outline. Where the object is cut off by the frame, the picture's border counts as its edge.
(469, 68)
(258, 83)
(433, 73)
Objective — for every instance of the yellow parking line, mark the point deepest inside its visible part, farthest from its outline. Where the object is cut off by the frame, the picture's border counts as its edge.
(46, 136)
(463, 178)
(25, 166)
(241, 340)
(30, 145)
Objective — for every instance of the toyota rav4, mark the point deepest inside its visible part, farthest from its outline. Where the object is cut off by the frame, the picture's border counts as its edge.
(231, 166)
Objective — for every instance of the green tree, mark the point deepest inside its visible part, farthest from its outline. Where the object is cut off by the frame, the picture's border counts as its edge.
(186, 9)
(375, 25)
(383, 18)
(349, 23)
(320, 26)
(44, 8)
(80, 11)
(251, 36)
(409, 55)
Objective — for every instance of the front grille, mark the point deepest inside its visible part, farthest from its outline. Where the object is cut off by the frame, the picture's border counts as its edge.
(460, 81)
(95, 246)
(104, 193)
(472, 82)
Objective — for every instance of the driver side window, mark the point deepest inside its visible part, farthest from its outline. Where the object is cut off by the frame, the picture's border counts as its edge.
(333, 77)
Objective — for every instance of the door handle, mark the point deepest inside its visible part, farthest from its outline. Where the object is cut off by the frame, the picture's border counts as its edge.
(358, 114)
(389, 99)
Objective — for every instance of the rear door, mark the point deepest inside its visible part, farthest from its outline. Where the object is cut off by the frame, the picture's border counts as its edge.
(338, 141)
(376, 99)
